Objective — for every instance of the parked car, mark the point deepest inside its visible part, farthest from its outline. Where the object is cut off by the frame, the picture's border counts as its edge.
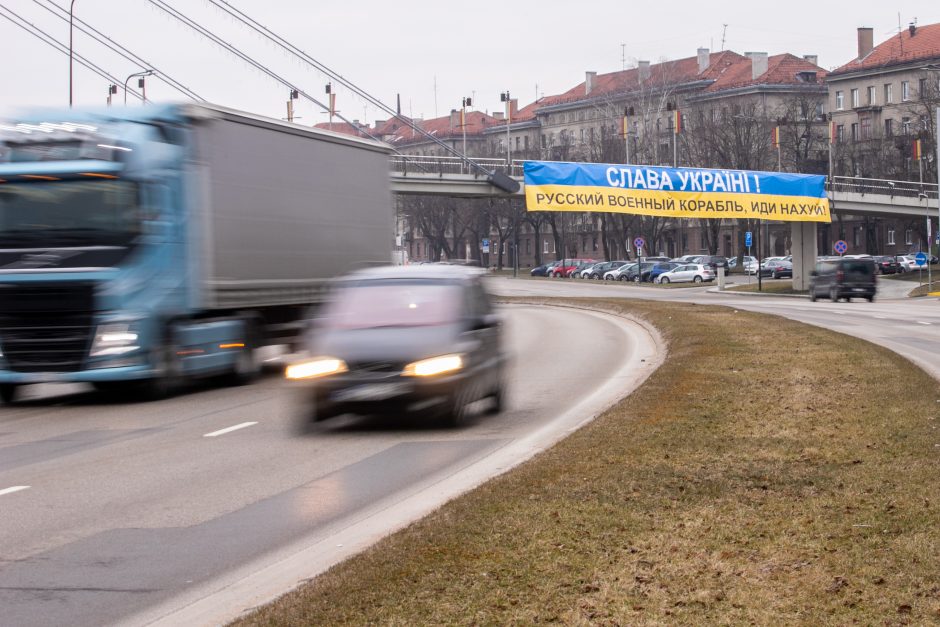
(843, 278)
(614, 275)
(907, 263)
(715, 261)
(400, 339)
(886, 264)
(685, 259)
(597, 270)
(638, 272)
(694, 272)
(655, 258)
(566, 266)
(541, 270)
(579, 265)
(660, 268)
(747, 263)
(777, 269)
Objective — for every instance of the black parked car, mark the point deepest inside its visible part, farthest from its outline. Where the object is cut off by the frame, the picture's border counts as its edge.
(403, 339)
(777, 269)
(843, 278)
(887, 264)
(541, 270)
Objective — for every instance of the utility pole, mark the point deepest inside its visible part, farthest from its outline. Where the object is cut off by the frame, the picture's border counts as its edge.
(466, 102)
(71, 56)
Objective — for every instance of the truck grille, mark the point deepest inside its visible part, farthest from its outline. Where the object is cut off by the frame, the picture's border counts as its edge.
(46, 328)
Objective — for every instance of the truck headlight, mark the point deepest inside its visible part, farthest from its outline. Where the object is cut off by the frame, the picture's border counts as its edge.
(115, 338)
(434, 366)
(314, 368)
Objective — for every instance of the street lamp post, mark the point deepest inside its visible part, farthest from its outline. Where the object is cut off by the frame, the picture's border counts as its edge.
(464, 103)
(141, 74)
(505, 98)
(71, 7)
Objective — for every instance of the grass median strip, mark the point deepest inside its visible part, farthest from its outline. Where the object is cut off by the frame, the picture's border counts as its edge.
(770, 472)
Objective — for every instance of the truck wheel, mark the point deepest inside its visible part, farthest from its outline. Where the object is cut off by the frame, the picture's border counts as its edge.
(246, 368)
(170, 373)
(8, 393)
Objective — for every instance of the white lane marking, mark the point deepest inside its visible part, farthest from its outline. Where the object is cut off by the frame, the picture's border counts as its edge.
(16, 488)
(881, 317)
(927, 323)
(229, 429)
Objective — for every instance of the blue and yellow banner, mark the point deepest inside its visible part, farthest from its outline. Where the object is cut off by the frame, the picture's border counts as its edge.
(675, 192)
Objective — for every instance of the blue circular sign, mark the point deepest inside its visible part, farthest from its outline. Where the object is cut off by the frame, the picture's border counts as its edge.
(920, 258)
(639, 242)
(840, 247)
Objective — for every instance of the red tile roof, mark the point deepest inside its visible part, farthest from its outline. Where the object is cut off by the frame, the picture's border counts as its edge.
(899, 49)
(782, 69)
(476, 122)
(340, 127)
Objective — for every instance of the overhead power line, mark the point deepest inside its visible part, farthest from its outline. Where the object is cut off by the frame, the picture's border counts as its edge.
(297, 52)
(48, 39)
(83, 26)
(163, 6)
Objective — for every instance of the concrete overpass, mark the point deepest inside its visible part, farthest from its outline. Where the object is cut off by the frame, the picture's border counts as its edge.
(451, 176)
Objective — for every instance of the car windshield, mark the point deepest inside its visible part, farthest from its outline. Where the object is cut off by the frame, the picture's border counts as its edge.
(392, 303)
(69, 213)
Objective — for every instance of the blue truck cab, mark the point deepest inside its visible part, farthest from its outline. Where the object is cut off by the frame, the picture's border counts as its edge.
(145, 246)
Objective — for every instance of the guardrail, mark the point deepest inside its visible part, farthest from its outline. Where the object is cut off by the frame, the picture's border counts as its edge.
(883, 187)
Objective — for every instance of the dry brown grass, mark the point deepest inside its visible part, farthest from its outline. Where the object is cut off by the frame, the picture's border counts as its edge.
(755, 479)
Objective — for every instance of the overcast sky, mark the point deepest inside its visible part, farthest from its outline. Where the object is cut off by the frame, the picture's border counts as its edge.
(431, 53)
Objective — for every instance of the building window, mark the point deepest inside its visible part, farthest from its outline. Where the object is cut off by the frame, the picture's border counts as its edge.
(528, 246)
(840, 101)
(856, 236)
(595, 244)
(840, 134)
(888, 94)
(855, 132)
(871, 95)
(890, 237)
(908, 237)
(889, 128)
(906, 126)
(525, 142)
(582, 135)
(866, 128)
(517, 143)
(854, 98)
(905, 91)
(922, 89)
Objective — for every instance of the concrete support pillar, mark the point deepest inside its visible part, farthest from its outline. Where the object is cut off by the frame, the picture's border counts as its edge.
(803, 249)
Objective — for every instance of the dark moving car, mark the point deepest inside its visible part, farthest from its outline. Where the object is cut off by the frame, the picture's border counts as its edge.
(843, 278)
(403, 339)
(887, 264)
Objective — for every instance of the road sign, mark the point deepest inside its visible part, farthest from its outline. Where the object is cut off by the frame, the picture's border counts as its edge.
(920, 258)
(840, 247)
(748, 239)
(639, 242)
(486, 245)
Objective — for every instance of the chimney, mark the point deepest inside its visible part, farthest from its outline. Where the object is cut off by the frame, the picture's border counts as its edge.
(644, 70)
(758, 63)
(589, 78)
(379, 123)
(811, 58)
(498, 115)
(912, 28)
(454, 118)
(703, 59)
(866, 41)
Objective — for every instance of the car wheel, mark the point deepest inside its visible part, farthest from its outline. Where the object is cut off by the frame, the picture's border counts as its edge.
(812, 295)
(636, 279)
(834, 294)
(455, 409)
(870, 299)
(499, 400)
(622, 278)
(8, 393)
(664, 279)
(697, 279)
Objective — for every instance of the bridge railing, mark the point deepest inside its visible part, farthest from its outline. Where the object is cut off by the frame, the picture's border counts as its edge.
(429, 164)
(883, 187)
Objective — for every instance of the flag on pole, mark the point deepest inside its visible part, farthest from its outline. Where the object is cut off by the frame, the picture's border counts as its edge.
(332, 104)
(916, 153)
(677, 122)
(463, 117)
(832, 133)
(626, 126)
(775, 137)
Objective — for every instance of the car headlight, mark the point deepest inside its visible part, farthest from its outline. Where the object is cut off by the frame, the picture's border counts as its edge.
(313, 368)
(434, 366)
(114, 338)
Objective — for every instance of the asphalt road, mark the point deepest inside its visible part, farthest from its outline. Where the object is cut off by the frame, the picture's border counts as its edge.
(910, 327)
(189, 510)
